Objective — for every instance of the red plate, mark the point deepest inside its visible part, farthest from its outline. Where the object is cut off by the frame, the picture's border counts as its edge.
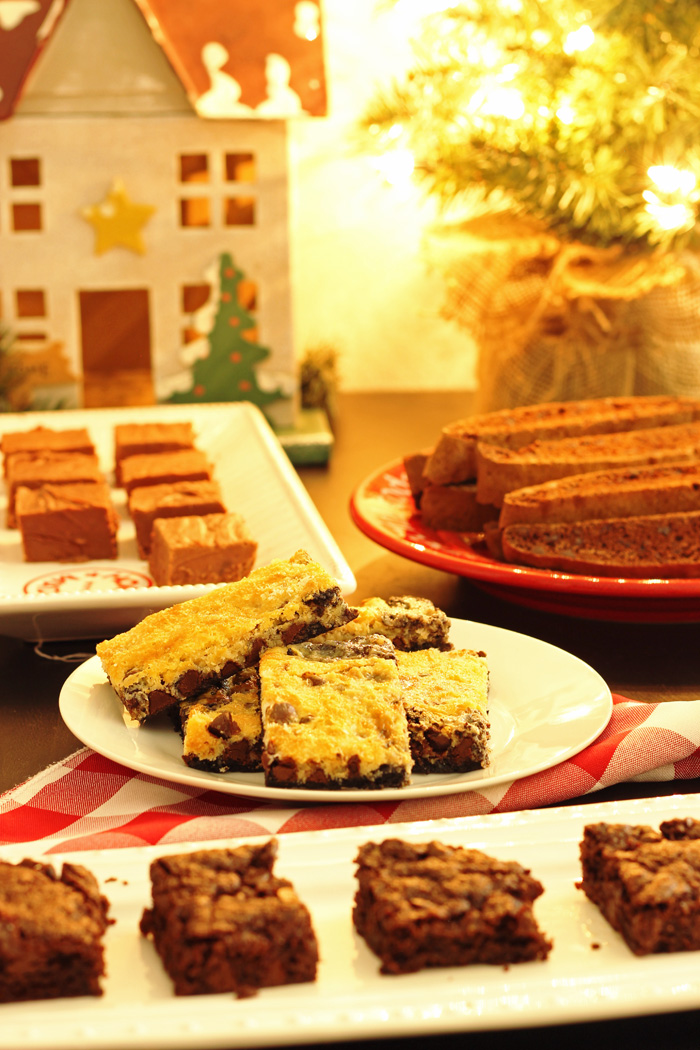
(383, 509)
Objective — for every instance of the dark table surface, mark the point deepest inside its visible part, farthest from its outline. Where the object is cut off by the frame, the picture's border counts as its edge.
(653, 662)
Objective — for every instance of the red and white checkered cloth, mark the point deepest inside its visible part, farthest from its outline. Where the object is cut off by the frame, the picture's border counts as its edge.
(90, 802)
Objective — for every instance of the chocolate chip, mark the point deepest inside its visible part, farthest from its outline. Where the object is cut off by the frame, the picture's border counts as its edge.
(223, 725)
(354, 766)
(438, 741)
(312, 679)
(293, 633)
(190, 682)
(282, 712)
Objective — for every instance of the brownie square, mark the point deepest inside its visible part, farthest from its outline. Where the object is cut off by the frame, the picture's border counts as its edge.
(181, 499)
(58, 468)
(211, 548)
(67, 523)
(429, 904)
(221, 921)
(164, 468)
(46, 439)
(646, 883)
(139, 439)
(51, 930)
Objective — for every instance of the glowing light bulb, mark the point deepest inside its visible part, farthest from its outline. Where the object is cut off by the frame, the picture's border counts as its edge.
(396, 166)
(579, 40)
(671, 216)
(672, 180)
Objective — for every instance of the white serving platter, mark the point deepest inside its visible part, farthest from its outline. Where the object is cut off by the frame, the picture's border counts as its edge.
(589, 975)
(46, 601)
(545, 705)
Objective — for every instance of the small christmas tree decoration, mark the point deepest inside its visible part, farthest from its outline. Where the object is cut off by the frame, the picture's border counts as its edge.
(225, 368)
(560, 140)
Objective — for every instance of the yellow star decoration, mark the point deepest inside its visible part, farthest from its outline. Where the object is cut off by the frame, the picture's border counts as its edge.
(118, 221)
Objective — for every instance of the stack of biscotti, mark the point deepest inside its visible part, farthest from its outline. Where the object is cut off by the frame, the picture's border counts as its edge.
(606, 487)
(461, 483)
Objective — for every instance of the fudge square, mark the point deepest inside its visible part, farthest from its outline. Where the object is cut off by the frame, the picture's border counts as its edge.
(646, 883)
(45, 439)
(51, 930)
(177, 653)
(67, 523)
(333, 716)
(142, 439)
(164, 468)
(59, 468)
(175, 500)
(423, 905)
(203, 548)
(221, 921)
(445, 695)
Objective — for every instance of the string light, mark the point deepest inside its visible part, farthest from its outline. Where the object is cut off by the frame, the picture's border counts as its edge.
(579, 40)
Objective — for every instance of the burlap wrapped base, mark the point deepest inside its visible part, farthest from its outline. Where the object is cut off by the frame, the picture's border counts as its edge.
(557, 321)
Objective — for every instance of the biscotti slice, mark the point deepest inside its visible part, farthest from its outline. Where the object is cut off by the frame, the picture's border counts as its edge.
(445, 695)
(176, 653)
(454, 456)
(51, 932)
(646, 885)
(333, 716)
(67, 523)
(174, 500)
(455, 508)
(606, 494)
(201, 548)
(409, 622)
(221, 921)
(222, 728)
(657, 546)
(501, 470)
(421, 905)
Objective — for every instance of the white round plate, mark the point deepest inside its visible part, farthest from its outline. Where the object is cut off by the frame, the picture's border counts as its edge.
(545, 705)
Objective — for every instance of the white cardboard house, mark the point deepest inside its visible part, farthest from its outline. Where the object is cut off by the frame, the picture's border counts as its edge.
(143, 153)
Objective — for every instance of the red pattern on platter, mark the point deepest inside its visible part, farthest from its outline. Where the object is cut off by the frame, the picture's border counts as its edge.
(74, 581)
(382, 507)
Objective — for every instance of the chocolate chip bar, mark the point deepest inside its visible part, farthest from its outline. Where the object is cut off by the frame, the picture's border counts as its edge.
(409, 622)
(177, 653)
(222, 728)
(333, 716)
(446, 699)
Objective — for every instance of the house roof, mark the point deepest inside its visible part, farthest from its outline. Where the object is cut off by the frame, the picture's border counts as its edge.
(234, 58)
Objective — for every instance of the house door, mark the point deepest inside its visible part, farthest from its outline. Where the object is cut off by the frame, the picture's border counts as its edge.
(116, 348)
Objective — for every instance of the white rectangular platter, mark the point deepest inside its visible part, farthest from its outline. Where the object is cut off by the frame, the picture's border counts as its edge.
(45, 601)
(589, 975)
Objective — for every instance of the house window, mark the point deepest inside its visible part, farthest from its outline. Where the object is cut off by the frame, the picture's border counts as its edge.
(30, 302)
(30, 306)
(26, 214)
(217, 191)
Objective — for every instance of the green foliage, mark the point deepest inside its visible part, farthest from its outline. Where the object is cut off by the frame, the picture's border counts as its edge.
(501, 110)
